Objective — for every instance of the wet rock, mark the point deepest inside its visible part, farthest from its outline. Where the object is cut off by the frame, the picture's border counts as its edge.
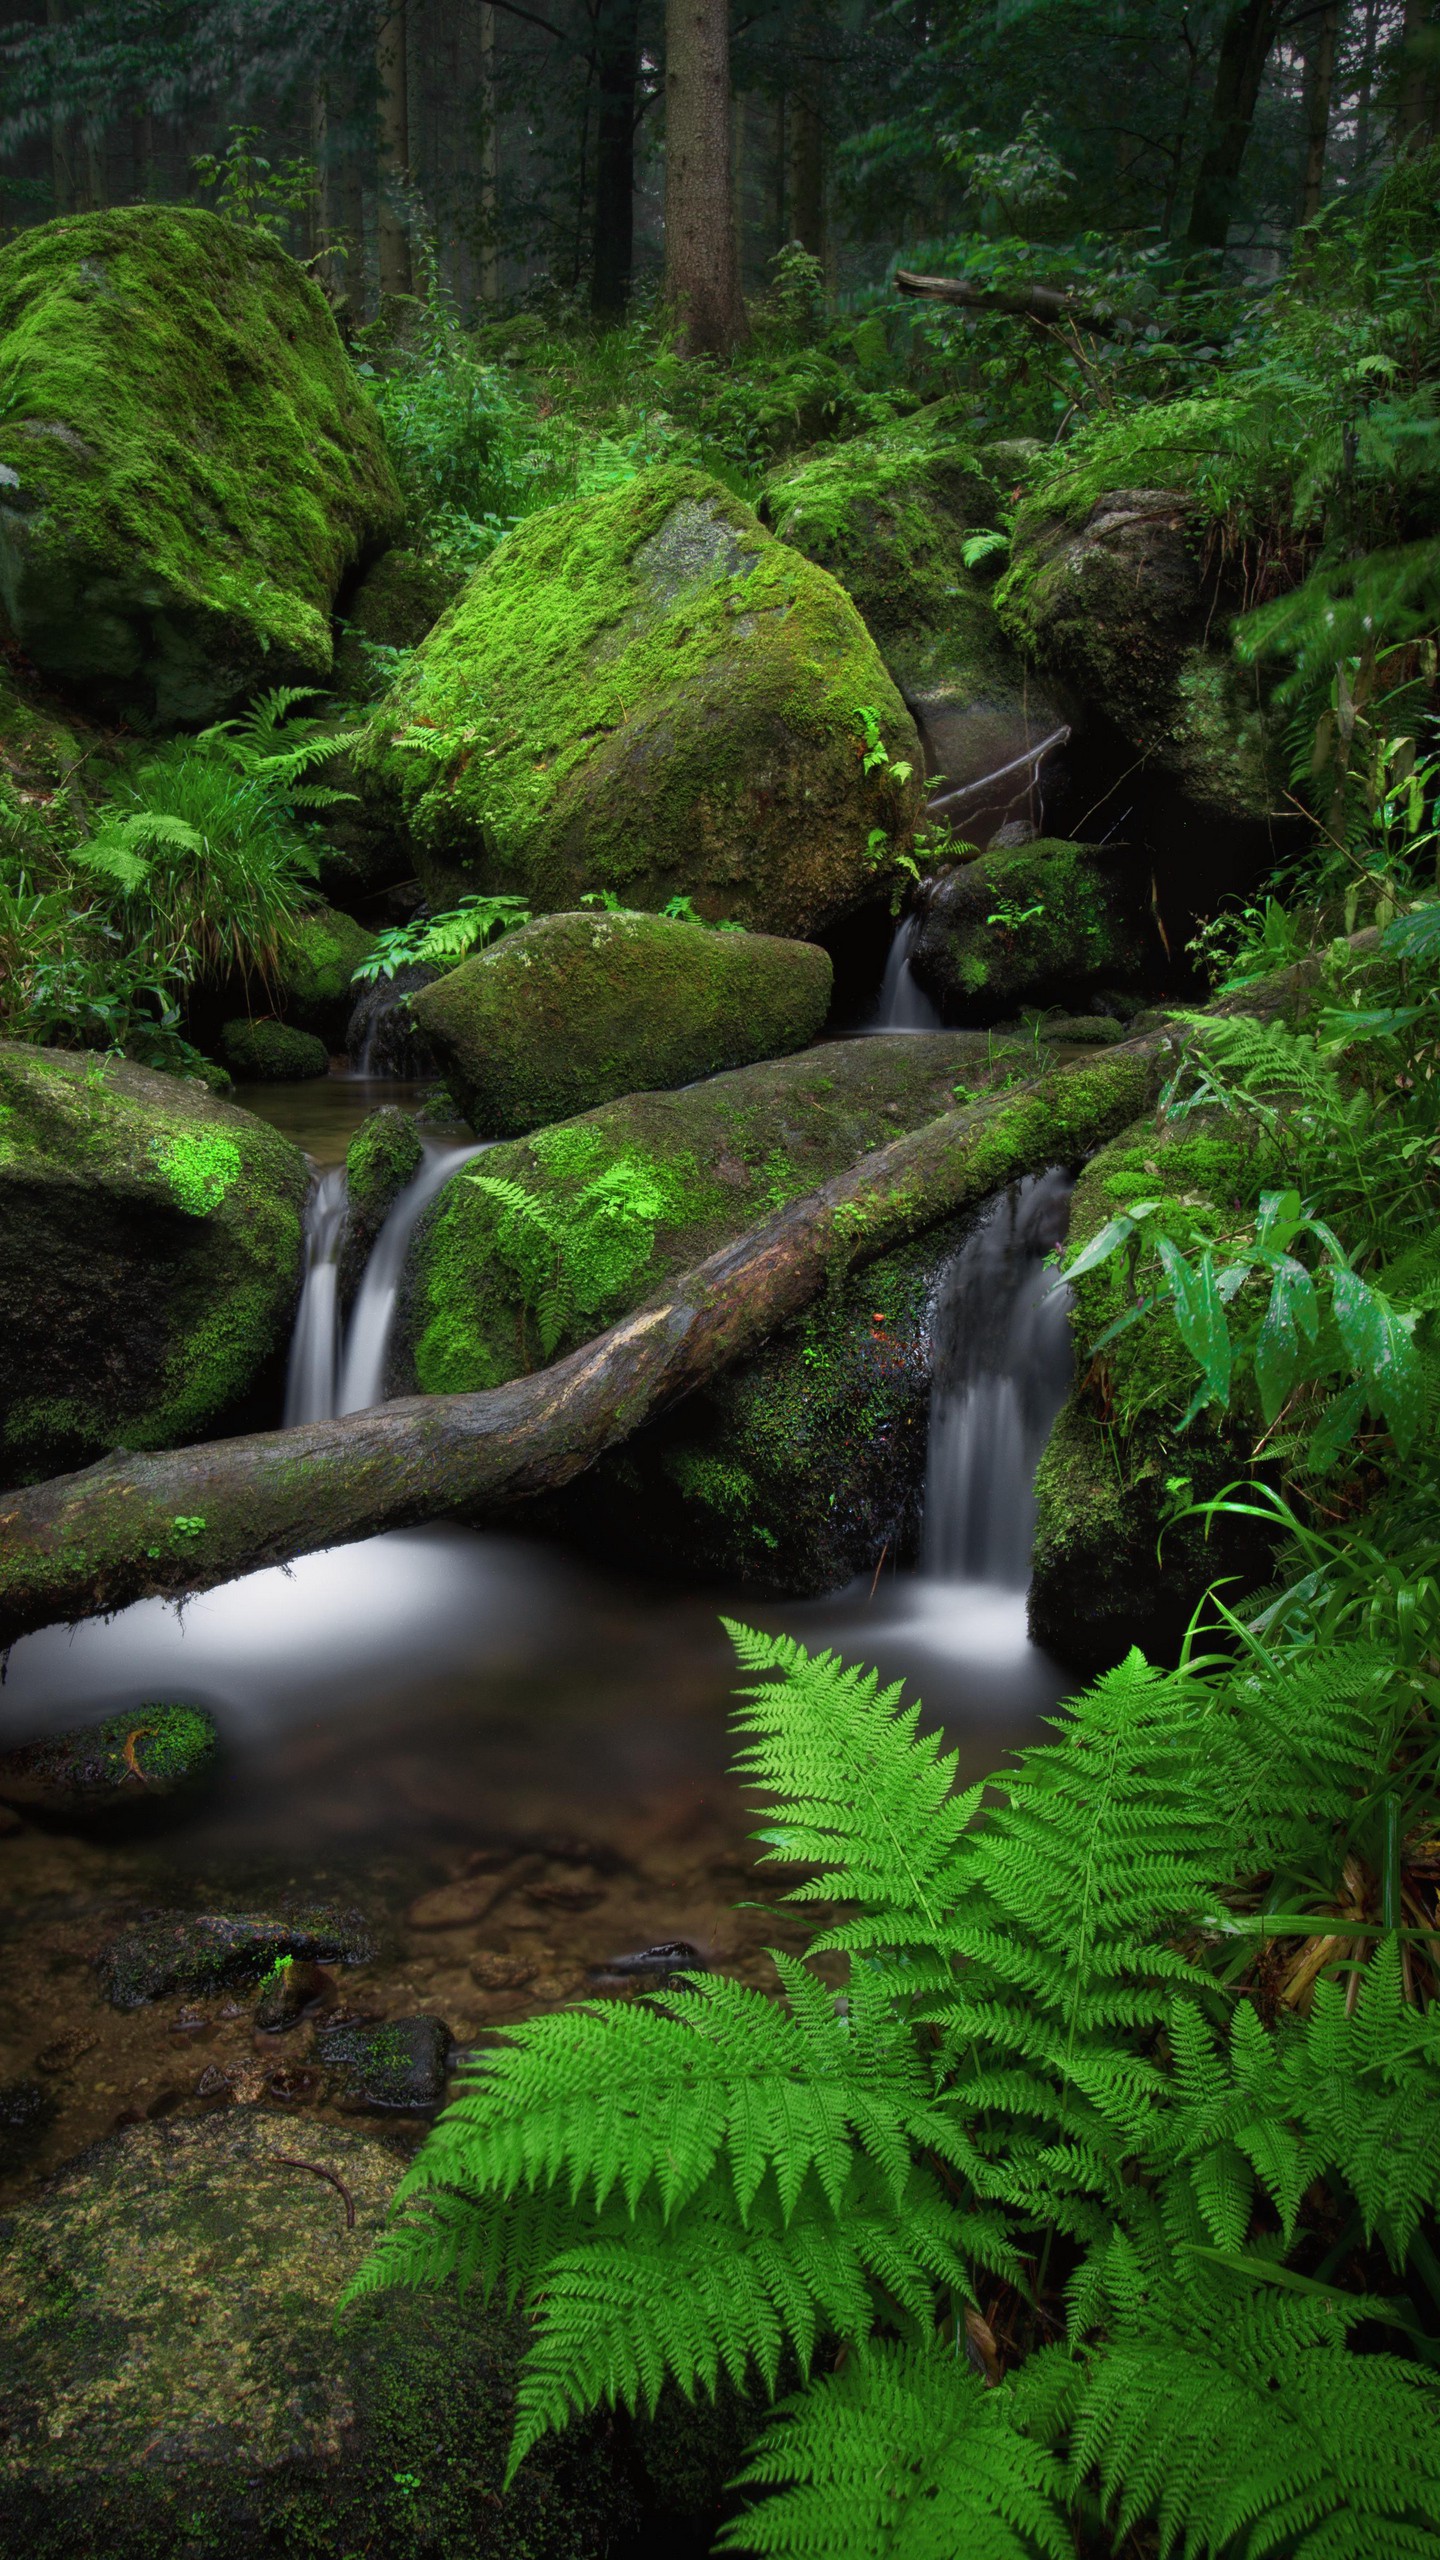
(150, 1260)
(174, 2382)
(273, 1053)
(395, 2067)
(382, 1037)
(574, 1010)
(26, 2108)
(146, 1754)
(292, 1987)
(65, 2051)
(190, 466)
(198, 1951)
(384, 1155)
(313, 979)
(646, 692)
(458, 1906)
(1042, 924)
(494, 1971)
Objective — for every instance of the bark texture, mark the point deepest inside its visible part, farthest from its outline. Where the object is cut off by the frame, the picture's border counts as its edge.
(391, 60)
(617, 61)
(1246, 43)
(1041, 302)
(702, 286)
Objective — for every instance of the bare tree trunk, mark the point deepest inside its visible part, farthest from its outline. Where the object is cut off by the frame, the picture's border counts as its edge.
(701, 285)
(391, 54)
(1319, 95)
(489, 159)
(782, 173)
(1366, 100)
(1246, 43)
(807, 139)
(1415, 105)
(617, 67)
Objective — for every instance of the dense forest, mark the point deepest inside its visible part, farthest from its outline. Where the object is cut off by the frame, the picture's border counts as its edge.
(720, 877)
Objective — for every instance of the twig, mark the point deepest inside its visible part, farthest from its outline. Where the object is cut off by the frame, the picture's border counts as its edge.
(885, 1550)
(283, 2160)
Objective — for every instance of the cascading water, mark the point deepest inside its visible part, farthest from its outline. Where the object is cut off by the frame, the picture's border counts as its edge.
(1002, 1368)
(367, 1341)
(902, 1004)
(315, 1343)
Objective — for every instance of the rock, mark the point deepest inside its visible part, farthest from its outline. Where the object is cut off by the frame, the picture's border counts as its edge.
(461, 1905)
(313, 982)
(146, 1754)
(381, 1036)
(391, 610)
(395, 2067)
(150, 1259)
(888, 515)
(1111, 595)
(645, 692)
(1113, 1473)
(188, 464)
(26, 2110)
(174, 2381)
(574, 1010)
(1042, 925)
(51, 764)
(290, 1988)
(271, 1053)
(384, 1156)
(800, 1463)
(202, 1950)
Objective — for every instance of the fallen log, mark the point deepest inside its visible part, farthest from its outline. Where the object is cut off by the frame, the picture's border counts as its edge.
(133, 1526)
(1047, 303)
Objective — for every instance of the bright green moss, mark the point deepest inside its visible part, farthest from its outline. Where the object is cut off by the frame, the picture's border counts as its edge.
(188, 463)
(200, 1165)
(272, 1053)
(645, 692)
(322, 952)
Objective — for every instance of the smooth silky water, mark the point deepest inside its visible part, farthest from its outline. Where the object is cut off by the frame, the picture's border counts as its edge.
(399, 1712)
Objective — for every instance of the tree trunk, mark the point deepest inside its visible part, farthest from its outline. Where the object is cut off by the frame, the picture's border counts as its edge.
(617, 63)
(1366, 99)
(701, 285)
(1319, 95)
(1415, 104)
(1046, 302)
(489, 159)
(391, 56)
(100, 1539)
(807, 139)
(1246, 44)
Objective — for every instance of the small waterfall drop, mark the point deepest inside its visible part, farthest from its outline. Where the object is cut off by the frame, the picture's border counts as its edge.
(315, 1344)
(367, 1340)
(902, 1004)
(1002, 1369)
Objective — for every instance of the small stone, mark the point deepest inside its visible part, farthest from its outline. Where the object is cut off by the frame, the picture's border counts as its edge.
(396, 2067)
(496, 1972)
(139, 1757)
(457, 1906)
(288, 1990)
(579, 1892)
(200, 1950)
(25, 2110)
(66, 2051)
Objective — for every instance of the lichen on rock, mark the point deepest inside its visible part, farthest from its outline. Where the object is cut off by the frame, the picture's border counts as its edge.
(573, 1010)
(188, 463)
(150, 1251)
(645, 692)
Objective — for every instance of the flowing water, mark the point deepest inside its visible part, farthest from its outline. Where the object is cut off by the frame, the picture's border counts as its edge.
(367, 1341)
(902, 1004)
(420, 1710)
(315, 1345)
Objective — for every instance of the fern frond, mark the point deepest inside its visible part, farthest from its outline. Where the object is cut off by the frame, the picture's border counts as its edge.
(903, 2455)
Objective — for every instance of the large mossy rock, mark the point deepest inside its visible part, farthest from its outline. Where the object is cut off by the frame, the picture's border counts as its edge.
(173, 2381)
(645, 692)
(150, 1258)
(1114, 1565)
(1115, 595)
(574, 1010)
(188, 463)
(1048, 923)
(889, 515)
(314, 982)
(391, 610)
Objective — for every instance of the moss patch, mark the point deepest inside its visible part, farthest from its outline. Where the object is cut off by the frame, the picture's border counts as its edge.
(147, 1752)
(645, 692)
(576, 1009)
(384, 1155)
(323, 950)
(1039, 925)
(150, 1253)
(188, 463)
(272, 1053)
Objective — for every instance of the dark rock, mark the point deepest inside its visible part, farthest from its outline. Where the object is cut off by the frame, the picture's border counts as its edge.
(145, 1754)
(382, 1037)
(288, 1990)
(26, 2108)
(150, 1260)
(174, 2384)
(394, 2067)
(391, 610)
(199, 1950)
(271, 1053)
(383, 1157)
(1044, 923)
(314, 977)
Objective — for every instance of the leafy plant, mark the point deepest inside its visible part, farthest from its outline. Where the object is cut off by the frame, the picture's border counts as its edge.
(259, 194)
(570, 1259)
(441, 941)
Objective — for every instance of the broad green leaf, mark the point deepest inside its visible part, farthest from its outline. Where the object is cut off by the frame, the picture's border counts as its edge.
(1199, 1315)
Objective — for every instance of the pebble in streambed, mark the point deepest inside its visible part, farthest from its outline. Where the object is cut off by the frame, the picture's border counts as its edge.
(144, 1756)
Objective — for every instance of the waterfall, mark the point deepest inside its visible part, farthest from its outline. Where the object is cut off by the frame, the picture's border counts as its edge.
(903, 1005)
(315, 1344)
(367, 1341)
(1002, 1369)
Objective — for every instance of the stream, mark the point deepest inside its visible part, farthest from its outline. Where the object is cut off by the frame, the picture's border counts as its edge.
(403, 1713)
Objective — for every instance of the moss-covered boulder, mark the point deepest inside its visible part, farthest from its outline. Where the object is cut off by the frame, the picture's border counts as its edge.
(188, 462)
(314, 982)
(53, 768)
(1113, 1565)
(1114, 594)
(272, 1053)
(173, 2381)
(645, 692)
(575, 1009)
(395, 604)
(889, 515)
(1047, 923)
(384, 1155)
(148, 1753)
(150, 1259)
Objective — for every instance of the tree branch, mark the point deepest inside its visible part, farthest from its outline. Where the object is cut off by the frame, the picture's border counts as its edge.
(1043, 302)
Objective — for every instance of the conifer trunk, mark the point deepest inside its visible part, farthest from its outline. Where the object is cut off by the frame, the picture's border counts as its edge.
(1246, 43)
(617, 69)
(1319, 97)
(391, 57)
(701, 283)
